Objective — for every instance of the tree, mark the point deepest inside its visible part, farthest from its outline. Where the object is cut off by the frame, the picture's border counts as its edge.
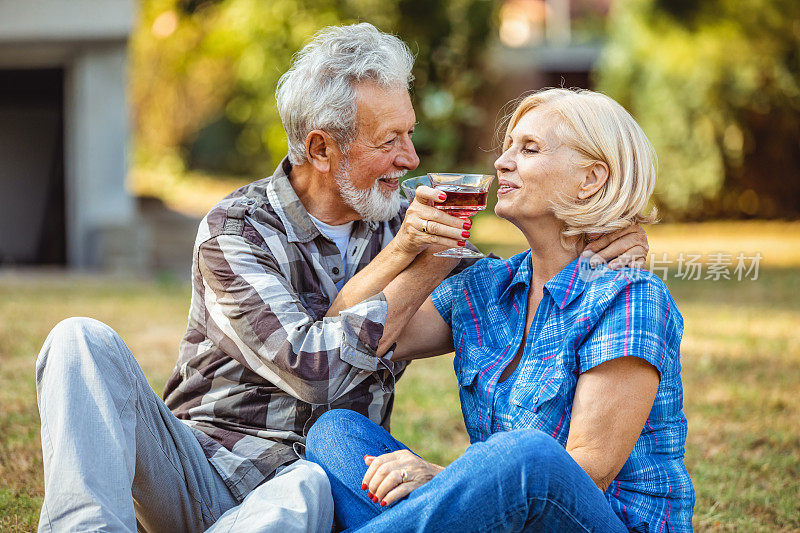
(716, 86)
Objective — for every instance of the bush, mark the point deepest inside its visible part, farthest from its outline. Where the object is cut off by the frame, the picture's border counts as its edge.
(716, 86)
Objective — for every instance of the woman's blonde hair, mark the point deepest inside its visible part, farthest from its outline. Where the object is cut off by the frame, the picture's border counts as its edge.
(599, 129)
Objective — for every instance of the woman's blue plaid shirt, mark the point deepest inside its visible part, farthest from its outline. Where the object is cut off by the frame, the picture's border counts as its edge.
(586, 317)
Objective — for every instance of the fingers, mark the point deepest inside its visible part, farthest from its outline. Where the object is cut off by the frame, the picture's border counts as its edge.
(376, 473)
(436, 228)
(381, 467)
(392, 479)
(607, 238)
(426, 212)
(627, 260)
(373, 464)
(384, 477)
(631, 243)
(633, 259)
(429, 195)
(440, 229)
(399, 492)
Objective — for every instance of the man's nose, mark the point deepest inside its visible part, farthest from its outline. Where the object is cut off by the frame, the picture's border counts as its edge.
(407, 158)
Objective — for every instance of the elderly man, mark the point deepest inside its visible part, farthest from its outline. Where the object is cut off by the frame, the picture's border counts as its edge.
(261, 361)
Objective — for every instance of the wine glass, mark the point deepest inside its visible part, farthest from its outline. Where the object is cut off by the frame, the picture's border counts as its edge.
(409, 186)
(466, 195)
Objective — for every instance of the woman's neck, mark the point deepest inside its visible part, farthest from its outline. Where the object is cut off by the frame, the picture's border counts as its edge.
(548, 255)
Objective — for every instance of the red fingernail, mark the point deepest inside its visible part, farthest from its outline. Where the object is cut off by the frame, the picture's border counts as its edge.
(367, 457)
(442, 196)
(461, 243)
(383, 503)
(465, 234)
(371, 496)
(364, 486)
(467, 224)
(375, 499)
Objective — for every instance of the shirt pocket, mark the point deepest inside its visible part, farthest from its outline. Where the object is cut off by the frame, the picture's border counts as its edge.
(541, 403)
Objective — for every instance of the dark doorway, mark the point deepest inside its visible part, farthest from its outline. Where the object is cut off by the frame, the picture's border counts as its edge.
(32, 206)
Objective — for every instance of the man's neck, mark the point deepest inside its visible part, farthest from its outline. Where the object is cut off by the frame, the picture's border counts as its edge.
(319, 194)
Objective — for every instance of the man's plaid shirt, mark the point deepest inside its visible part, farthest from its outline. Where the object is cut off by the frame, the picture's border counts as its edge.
(260, 362)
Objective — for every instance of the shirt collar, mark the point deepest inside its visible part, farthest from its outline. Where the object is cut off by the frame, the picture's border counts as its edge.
(296, 220)
(568, 284)
(564, 287)
(521, 276)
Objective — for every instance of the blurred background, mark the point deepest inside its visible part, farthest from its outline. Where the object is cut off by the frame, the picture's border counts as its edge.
(110, 109)
(122, 122)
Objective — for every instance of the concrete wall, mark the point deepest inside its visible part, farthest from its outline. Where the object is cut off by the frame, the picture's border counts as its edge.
(65, 20)
(96, 141)
(88, 39)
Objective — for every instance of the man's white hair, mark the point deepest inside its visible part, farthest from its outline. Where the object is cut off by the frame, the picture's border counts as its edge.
(318, 91)
(372, 205)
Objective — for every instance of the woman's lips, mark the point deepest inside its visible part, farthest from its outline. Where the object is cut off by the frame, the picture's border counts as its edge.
(505, 187)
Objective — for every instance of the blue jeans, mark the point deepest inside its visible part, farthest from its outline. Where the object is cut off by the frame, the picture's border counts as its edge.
(519, 480)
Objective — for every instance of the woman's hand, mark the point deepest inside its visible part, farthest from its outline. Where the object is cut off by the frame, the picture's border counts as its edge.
(425, 226)
(392, 476)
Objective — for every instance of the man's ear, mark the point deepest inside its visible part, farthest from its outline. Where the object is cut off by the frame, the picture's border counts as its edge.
(319, 147)
(594, 177)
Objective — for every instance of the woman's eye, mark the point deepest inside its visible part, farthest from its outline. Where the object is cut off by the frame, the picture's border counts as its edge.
(531, 150)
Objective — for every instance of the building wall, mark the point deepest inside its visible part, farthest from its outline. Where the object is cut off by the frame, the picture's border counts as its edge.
(96, 141)
(88, 40)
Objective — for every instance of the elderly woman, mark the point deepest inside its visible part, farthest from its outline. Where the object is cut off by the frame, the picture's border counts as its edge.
(569, 375)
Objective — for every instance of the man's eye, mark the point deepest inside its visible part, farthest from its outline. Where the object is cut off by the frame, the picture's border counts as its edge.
(389, 142)
(531, 150)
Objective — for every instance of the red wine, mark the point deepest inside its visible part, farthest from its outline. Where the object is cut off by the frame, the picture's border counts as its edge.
(462, 200)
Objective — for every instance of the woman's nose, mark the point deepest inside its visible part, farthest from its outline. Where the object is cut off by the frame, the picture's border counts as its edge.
(504, 163)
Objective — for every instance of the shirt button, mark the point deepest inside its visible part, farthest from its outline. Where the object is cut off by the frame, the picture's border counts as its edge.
(335, 271)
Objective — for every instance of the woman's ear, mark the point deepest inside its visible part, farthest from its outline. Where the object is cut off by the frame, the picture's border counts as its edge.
(594, 178)
(318, 150)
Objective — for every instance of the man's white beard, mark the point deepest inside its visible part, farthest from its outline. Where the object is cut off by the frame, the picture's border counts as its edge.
(372, 204)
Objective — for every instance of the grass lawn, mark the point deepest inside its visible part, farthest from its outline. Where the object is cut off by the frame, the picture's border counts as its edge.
(741, 371)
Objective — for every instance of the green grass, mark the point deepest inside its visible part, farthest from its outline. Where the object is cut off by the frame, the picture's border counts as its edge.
(740, 354)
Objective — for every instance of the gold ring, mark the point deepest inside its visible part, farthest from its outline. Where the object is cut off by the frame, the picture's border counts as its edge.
(425, 226)
(403, 475)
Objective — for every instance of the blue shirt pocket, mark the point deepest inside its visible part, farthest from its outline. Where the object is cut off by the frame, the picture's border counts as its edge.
(540, 403)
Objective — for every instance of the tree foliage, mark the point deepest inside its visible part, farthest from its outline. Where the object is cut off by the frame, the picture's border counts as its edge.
(204, 74)
(716, 86)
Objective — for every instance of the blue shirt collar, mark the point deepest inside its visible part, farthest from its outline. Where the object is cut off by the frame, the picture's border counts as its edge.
(564, 287)
(522, 275)
(568, 284)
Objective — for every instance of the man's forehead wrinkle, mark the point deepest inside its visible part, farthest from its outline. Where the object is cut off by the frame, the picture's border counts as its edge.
(375, 121)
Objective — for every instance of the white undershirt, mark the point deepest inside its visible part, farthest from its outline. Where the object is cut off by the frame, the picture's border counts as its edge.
(340, 235)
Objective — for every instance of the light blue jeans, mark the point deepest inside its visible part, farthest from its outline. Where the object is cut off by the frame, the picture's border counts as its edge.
(519, 480)
(117, 459)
